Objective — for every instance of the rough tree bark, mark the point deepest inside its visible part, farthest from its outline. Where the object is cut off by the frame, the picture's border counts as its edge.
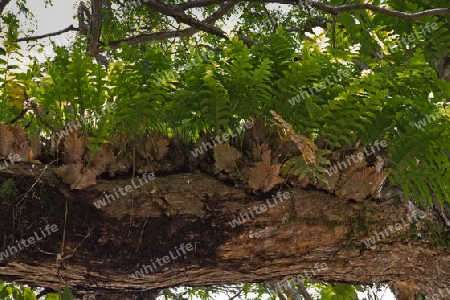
(101, 248)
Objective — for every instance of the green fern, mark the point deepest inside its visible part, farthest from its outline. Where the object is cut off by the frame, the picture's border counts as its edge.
(421, 165)
(298, 167)
(215, 102)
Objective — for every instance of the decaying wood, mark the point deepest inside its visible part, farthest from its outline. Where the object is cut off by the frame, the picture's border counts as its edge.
(103, 247)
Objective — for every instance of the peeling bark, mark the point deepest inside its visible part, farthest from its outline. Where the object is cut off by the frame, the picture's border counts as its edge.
(103, 247)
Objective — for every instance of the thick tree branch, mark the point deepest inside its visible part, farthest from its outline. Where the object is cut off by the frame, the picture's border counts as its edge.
(3, 4)
(96, 26)
(284, 241)
(157, 36)
(181, 17)
(198, 3)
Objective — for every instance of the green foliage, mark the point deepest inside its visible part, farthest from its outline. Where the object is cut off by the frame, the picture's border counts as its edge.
(67, 294)
(339, 291)
(8, 189)
(214, 100)
(52, 296)
(298, 167)
(437, 234)
(239, 291)
(16, 292)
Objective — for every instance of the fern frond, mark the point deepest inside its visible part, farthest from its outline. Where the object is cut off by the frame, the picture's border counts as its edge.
(215, 102)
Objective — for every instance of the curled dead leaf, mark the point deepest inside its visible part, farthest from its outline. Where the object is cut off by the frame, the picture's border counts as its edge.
(264, 176)
(226, 157)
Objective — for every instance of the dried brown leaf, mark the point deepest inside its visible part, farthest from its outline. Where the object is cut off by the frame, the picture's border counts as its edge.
(74, 147)
(362, 184)
(69, 174)
(272, 178)
(257, 176)
(73, 174)
(19, 134)
(266, 157)
(36, 148)
(103, 158)
(87, 178)
(264, 176)
(226, 157)
(305, 145)
(162, 148)
(23, 150)
(6, 141)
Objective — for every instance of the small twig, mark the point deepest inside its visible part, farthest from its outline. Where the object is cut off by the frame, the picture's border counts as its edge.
(142, 231)
(37, 180)
(79, 244)
(132, 199)
(35, 109)
(333, 35)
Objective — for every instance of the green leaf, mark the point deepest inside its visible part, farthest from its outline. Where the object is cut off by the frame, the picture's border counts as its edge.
(52, 296)
(67, 294)
(28, 294)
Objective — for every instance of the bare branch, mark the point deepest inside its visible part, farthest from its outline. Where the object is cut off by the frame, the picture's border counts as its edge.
(37, 37)
(83, 23)
(198, 3)
(150, 37)
(403, 15)
(226, 7)
(181, 17)
(352, 7)
(331, 9)
(205, 24)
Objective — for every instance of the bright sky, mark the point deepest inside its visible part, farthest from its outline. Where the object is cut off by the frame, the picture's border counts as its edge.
(53, 18)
